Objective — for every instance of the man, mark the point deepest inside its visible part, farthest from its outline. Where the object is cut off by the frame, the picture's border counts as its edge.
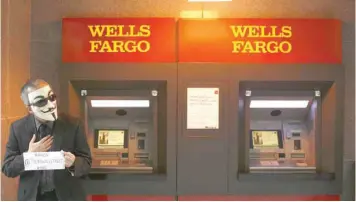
(41, 131)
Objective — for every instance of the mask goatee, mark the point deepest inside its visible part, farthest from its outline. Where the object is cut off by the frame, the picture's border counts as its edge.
(54, 116)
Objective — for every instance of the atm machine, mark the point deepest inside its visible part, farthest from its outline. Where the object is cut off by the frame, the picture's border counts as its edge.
(122, 133)
(282, 133)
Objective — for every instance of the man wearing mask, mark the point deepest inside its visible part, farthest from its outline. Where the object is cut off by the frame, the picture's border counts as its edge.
(44, 130)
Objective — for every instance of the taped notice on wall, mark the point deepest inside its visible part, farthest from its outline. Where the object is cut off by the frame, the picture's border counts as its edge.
(44, 160)
(203, 108)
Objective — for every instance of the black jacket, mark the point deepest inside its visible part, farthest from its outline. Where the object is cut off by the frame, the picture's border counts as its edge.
(68, 136)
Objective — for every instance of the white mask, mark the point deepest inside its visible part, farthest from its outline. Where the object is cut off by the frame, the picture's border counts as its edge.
(43, 103)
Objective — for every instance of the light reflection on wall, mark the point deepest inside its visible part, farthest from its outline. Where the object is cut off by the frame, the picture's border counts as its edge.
(199, 14)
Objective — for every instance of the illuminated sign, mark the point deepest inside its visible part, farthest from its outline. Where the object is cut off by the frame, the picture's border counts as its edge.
(260, 40)
(118, 40)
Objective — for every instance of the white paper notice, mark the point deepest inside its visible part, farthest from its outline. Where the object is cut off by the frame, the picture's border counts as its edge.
(202, 108)
(44, 160)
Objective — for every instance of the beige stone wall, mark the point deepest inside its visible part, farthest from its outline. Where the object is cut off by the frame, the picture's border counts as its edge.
(15, 66)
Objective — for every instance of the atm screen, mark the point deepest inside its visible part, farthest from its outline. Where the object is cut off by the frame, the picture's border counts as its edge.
(116, 139)
(266, 139)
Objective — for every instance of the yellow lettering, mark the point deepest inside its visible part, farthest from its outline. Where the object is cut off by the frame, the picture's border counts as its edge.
(261, 47)
(145, 30)
(143, 46)
(96, 30)
(118, 46)
(132, 31)
(115, 46)
(248, 48)
(285, 47)
(272, 47)
(239, 31)
(287, 31)
(93, 46)
(237, 46)
(254, 31)
(130, 46)
(274, 33)
(105, 47)
(111, 30)
(263, 32)
(119, 30)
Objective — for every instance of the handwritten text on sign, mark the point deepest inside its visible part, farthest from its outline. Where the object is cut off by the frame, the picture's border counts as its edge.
(44, 161)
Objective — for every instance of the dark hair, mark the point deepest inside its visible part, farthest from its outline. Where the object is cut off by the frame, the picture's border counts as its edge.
(29, 86)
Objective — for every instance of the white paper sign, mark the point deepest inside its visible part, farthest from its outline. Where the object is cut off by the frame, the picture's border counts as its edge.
(44, 160)
(202, 108)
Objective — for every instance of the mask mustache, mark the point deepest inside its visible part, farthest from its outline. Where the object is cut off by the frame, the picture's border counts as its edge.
(49, 110)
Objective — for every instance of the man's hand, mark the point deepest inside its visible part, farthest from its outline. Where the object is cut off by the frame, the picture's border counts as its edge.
(41, 146)
(69, 159)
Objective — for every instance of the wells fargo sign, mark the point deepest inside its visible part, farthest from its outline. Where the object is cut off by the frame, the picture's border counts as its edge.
(118, 40)
(220, 40)
(260, 41)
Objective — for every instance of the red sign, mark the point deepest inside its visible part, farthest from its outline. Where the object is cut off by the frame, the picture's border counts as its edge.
(260, 41)
(119, 40)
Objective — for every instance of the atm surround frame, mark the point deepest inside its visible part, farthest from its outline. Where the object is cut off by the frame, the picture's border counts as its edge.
(75, 77)
(326, 78)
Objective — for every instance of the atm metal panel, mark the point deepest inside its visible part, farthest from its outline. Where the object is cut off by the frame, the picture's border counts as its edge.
(259, 77)
(202, 154)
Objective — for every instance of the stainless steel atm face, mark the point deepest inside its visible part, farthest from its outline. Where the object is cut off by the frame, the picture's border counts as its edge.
(282, 131)
(122, 132)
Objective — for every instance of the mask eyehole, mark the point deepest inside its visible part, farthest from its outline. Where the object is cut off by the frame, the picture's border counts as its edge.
(52, 97)
(41, 103)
